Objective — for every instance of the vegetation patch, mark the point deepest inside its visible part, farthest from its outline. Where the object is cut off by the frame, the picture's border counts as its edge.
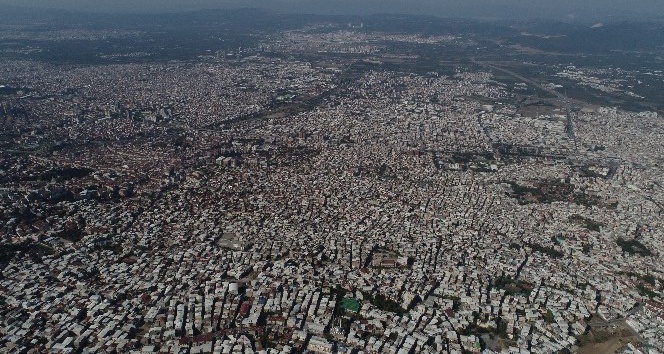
(588, 172)
(550, 191)
(588, 223)
(512, 286)
(547, 250)
(548, 316)
(73, 235)
(384, 304)
(31, 249)
(587, 247)
(633, 246)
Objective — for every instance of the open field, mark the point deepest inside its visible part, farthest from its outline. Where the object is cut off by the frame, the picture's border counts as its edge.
(606, 341)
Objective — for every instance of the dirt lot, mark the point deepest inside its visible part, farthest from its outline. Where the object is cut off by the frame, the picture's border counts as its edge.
(606, 341)
(608, 347)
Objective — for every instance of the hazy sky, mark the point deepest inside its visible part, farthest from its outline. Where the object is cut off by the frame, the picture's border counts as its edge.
(465, 8)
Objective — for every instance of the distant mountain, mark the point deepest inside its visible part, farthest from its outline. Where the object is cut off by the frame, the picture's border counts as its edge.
(574, 10)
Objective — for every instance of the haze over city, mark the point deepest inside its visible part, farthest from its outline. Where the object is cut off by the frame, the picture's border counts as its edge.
(510, 9)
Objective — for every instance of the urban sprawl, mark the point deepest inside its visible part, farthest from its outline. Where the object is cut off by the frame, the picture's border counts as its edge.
(249, 202)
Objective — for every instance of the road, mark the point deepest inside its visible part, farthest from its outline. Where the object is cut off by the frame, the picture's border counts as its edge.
(520, 77)
(539, 86)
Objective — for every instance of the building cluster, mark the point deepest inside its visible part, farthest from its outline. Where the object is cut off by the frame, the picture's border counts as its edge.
(609, 80)
(330, 39)
(178, 208)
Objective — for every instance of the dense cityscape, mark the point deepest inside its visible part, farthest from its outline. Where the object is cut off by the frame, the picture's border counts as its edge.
(325, 189)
